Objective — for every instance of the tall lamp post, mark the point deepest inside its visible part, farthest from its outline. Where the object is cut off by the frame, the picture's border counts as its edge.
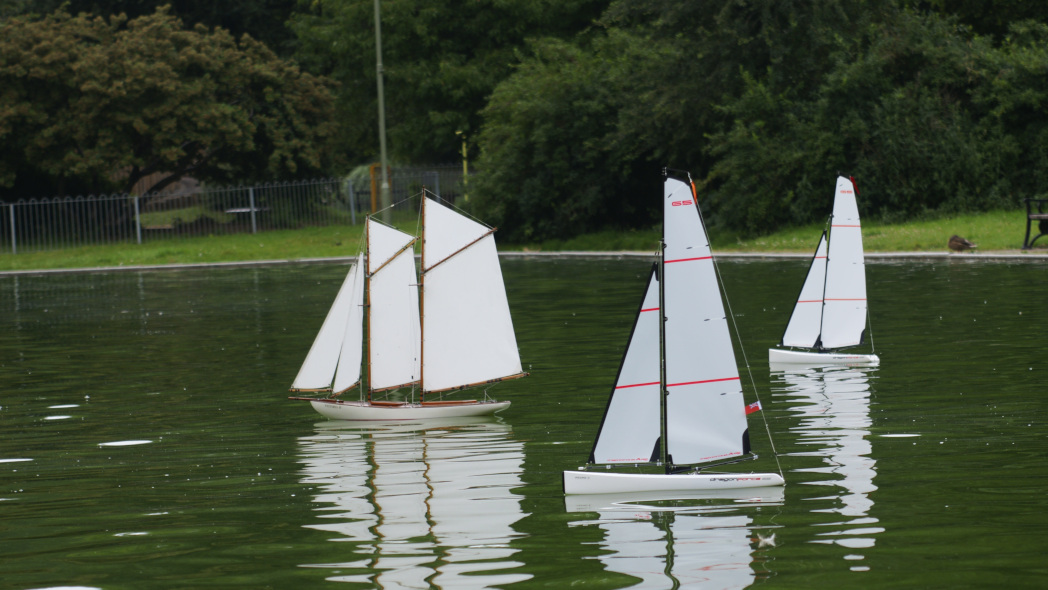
(384, 196)
(465, 167)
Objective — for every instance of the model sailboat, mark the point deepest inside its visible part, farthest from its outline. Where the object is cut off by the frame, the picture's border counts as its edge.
(446, 331)
(677, 400)
(831, 312)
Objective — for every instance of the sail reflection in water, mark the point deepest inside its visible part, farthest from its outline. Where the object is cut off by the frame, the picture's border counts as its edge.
(701, 540)
(833, 405)
(420, 503)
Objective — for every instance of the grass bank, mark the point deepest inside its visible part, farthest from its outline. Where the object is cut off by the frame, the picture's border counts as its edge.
(993, 231)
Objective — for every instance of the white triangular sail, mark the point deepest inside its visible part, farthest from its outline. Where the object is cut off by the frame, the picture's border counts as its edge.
(318, 369)
(393, 332)
(705, 412)
(468, 333)
(806, 321)
(844, 311)
(352, 351)
(630, 429)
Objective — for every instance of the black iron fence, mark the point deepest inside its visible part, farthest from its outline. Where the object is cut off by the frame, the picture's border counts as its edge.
(192, 209)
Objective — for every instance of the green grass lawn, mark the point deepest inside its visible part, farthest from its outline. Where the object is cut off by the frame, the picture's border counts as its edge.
(993, 231)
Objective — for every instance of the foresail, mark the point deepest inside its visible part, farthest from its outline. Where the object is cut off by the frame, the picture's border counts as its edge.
(844, 312)
(349, 360)
(705, 416)
(468, 333)
(806, 321)
(318, 369)
(630, 429)
(393, 334)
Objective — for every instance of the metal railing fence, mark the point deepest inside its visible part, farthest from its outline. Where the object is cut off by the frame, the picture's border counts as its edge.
(197, 210)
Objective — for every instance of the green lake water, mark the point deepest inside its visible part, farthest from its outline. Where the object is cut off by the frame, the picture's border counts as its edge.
(146, 441)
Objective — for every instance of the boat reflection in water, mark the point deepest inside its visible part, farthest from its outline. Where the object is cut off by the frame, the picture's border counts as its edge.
(833, 406)
(677, 539)
(419, 504)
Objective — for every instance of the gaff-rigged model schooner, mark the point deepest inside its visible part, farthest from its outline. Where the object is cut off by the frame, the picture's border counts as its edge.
(447, 331)
(677, 400)
(831, 310)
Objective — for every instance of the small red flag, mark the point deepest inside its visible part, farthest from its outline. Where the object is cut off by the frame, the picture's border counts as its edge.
(754, 407)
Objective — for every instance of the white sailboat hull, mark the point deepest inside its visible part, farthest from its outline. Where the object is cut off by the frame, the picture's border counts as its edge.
(802, 357)
(599, 482)
(362, 410)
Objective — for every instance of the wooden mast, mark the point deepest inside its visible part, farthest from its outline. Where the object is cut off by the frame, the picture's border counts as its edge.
(367, 302)
(422, 307)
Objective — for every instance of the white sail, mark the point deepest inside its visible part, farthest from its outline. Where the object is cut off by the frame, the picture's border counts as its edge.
(393, 333)
(352, 351)
(844, 312)
(705, 412)
(468, 333)
(806, 321)
(318, 369)
(630, 429)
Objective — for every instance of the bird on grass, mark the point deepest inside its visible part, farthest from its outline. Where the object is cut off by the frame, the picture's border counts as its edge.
(959, 244)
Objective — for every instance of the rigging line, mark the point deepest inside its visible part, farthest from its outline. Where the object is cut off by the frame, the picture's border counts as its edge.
(452, 206)
(418, 220)
(746, 361)
(869, 329)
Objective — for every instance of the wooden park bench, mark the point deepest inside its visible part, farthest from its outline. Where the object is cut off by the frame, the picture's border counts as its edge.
(1035, 211)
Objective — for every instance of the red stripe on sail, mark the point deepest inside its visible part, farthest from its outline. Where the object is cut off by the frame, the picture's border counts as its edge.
(809, 301)
(636, 385)
(650, 309)
(689, 259)
(705, 381)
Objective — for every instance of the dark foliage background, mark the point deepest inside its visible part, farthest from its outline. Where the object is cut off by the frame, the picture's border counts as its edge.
(570, 108)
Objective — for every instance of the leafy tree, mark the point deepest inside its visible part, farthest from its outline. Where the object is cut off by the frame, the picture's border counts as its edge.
(441, 58)
(264, 20)
(988, 17)
(547, 166)
(928, 117)
(684, 61)
(104, 103)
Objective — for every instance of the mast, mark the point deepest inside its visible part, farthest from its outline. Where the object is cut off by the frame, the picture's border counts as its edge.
(422, 307)
(705, 412)
(367, 304)
(825, 278)
(663, 446)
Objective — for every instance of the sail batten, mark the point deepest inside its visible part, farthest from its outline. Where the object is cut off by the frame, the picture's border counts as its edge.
(478, 384)
(429, 267)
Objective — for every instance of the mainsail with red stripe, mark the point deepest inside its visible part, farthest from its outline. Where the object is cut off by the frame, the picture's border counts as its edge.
(703, 416)
(844, 312)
